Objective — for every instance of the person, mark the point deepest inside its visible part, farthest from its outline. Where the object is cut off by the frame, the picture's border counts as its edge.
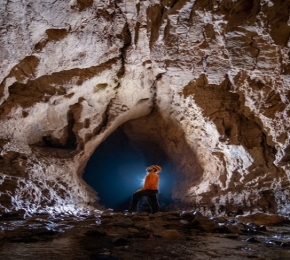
(149, 190)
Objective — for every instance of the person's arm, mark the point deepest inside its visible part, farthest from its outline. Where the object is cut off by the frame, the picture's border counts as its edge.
(144, 184)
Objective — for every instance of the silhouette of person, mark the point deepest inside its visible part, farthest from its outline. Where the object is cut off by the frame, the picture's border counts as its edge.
(149, 190)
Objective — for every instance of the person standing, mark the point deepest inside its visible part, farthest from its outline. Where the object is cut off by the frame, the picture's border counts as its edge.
(149, 190)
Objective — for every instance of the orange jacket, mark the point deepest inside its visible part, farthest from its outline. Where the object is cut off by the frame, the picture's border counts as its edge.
(151, 181)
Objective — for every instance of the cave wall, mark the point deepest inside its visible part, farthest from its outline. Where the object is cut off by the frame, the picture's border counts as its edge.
(206, 80)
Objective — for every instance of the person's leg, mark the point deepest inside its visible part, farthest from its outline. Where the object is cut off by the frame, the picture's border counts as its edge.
(135, 199)
(153, 203)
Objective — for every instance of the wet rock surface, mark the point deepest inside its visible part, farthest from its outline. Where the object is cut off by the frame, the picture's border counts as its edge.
(164, 235)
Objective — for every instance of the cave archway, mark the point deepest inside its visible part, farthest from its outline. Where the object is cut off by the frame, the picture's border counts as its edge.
(118, 166)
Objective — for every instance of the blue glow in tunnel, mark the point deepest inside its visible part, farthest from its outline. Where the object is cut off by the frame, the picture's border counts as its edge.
(116, 170)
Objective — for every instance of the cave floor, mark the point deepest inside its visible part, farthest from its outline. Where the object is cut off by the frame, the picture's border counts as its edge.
(140, 236)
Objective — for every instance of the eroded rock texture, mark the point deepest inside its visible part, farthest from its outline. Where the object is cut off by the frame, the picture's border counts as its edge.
(205, 81)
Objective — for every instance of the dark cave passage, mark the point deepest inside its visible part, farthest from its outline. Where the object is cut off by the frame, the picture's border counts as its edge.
(117, 169)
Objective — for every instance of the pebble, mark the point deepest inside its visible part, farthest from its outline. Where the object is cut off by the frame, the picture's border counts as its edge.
(124, 222)
(252, 240)
(171, 234)
(185, 222)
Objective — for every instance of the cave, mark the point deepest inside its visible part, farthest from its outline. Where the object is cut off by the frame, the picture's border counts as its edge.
(208, 99)
(117, 169)
(92, 92)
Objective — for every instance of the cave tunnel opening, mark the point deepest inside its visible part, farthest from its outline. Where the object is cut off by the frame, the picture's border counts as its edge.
(117, 169)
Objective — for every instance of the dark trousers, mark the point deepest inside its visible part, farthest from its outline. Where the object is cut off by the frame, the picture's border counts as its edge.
(151, 199)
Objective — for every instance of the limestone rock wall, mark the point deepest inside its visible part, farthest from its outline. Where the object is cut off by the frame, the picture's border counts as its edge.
(40, 182)
(207, 80)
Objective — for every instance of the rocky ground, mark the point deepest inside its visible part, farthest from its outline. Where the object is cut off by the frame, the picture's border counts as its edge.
(164, 235)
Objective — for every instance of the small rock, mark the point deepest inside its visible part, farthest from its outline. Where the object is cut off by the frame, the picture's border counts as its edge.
(120, 241)
(171, 213)
(108, 212)
(231, 236)
(119, 214)
(57, 220)
(273, 242)
(188, 215)
(205, 224)
(147, 227)
(124, 222)
(184, 222)
(262, 228)
(261, 218)
(98, 221)
(252, 240)
(104, 252)
(239, 212)
(95, 233)
(133, 230)
(285, 244)
(13, 215)
(170, 233)
(43, 232)
(156, 215)
(252, 225)
(250, 231)
(137, 217)
(144, 214)
(234, 228)
(38, 219)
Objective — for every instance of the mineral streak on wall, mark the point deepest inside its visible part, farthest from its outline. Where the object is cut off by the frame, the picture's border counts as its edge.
(208, 82)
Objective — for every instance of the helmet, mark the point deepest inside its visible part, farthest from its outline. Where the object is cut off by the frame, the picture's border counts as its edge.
(154, 168)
